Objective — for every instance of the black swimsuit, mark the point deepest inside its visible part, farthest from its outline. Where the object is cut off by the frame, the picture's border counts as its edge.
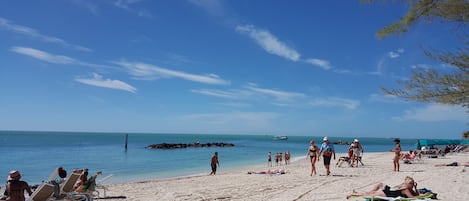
(312, 153)
(393, 193)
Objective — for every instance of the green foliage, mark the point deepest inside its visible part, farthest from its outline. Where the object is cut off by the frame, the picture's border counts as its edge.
(430, 85)
(454, 11)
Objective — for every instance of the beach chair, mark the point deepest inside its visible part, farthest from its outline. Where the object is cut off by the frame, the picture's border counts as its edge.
(100, 185)
(42, 193)
(344, 159)
(69, 184)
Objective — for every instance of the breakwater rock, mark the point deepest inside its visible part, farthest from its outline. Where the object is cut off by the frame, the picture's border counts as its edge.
(193, 145)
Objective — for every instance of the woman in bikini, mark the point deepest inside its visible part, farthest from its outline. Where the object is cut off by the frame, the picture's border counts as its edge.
(397, 154)
(313, 152)
(407, 190)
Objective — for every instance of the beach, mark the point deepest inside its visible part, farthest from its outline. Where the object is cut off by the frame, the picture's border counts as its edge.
(449, 182)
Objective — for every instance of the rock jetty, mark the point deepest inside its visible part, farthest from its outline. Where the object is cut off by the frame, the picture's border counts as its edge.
(193, 145)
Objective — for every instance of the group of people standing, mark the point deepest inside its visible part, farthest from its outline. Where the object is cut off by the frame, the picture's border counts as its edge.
(327, 151)
(279, 158)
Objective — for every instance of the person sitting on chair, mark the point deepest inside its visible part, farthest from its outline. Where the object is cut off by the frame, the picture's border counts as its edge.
(357, 152)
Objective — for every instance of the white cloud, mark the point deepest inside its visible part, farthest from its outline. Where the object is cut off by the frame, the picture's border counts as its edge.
(219, 93)
(98, 81)
(213, 7)
(434, 113)
(319, 62)
(385, 98)
(269, 42)
(127, 6)
(41, 55)
(395, 54)
(256, 119)
(51, 58)
(334, 102)
(277, 94)
(4, 23)
(148, 71)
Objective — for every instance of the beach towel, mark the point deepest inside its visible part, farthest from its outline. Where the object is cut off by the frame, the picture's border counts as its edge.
(383, 198)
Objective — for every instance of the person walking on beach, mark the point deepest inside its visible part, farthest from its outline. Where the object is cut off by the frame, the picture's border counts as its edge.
(214, 163)
(269, 159)
(397, 154)
(313, 153)
(327, 151)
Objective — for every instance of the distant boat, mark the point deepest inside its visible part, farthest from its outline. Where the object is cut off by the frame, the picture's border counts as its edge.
(280, 137)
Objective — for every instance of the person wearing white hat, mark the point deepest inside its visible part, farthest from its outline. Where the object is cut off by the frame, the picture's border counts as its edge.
(327, 151)
(15, 188)
(357, 153)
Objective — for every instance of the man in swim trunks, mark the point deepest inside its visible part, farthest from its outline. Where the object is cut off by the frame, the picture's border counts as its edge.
(327, 151)
(214, 163)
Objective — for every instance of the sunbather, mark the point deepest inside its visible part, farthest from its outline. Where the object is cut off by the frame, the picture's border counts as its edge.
(89, 184)
(407, 190)
(279, 171)
(466, 164)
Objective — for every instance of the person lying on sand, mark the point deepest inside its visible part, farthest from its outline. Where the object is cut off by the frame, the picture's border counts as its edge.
(407, 190)
(466, 164)
(279, 171)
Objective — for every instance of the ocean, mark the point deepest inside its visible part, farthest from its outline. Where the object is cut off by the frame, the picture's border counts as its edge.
(37, 154)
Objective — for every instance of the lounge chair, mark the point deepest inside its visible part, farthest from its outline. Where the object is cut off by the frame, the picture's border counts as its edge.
(342, 160)
(100, 185)
(42, 193)
(69, 184)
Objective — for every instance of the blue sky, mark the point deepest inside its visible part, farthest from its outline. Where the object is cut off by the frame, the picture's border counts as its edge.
(218, 67)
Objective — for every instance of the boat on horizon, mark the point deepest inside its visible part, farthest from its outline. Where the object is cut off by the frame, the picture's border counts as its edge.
(280, 137)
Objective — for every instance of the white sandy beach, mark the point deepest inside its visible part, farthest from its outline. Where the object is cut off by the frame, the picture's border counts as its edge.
(451, 183)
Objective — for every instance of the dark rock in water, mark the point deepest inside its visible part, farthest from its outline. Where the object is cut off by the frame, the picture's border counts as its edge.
(340, 142)
(180, 145)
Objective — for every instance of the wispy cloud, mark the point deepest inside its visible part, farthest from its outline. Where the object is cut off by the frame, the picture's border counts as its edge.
(6, 24)
(148, 71)
(335, 102)
(127, 6)
(98, 81)
(395, 54)
(213, 7)
(280, 98)
(51, 58)
(319, 62)
(220, 93)
(385, 98)
(44, 56)
(277, 94)
(269, 42)
(245, 118)
(434, 113)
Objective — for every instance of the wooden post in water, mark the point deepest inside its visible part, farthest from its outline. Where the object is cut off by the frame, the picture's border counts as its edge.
(126, 140)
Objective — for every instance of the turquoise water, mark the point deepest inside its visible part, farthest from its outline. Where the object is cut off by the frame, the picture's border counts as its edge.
(37, 154)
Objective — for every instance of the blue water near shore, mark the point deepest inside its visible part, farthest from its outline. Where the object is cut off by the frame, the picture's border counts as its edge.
(37, 154)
